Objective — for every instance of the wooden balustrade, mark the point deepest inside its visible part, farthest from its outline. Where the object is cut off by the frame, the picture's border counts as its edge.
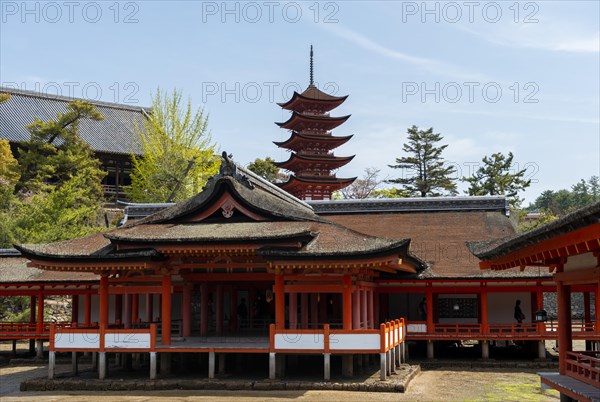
(584, 366)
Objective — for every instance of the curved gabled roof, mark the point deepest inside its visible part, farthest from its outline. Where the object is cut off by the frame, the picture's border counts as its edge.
(313, 97)
(330, 161)
(328, 141)
(299, 120)
(278, 227)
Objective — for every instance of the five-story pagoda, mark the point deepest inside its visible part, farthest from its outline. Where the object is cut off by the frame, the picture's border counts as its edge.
(311, 143)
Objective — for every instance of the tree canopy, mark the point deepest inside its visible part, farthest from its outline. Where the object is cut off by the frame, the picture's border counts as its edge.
(266, 169)
(54, 190)
(178, 153)
(497, 176)
(424, 171)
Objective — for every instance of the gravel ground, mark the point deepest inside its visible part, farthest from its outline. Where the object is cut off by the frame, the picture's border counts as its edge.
(431, 385)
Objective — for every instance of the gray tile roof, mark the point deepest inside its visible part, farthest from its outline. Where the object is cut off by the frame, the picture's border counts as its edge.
(114, 134)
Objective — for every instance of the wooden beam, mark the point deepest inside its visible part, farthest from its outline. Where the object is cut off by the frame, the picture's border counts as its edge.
(581, 276)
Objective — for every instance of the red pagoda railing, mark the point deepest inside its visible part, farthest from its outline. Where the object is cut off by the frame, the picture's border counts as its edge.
(584, 366)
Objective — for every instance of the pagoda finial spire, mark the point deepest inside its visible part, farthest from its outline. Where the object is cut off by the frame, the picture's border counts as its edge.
(311, 66)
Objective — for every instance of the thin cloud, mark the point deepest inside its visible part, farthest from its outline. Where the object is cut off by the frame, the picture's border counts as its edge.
(551, 36)
(431, 65)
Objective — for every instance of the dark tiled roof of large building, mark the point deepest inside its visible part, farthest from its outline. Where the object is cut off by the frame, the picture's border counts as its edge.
(115, 134)
(438, 236)
(492, 249)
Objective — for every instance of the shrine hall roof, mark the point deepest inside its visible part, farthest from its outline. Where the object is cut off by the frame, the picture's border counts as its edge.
(14, 269)
(115, 134)
(496, 248)
(286, 227)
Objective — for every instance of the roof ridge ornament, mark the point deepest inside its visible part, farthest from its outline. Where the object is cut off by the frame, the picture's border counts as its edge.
(230, 168)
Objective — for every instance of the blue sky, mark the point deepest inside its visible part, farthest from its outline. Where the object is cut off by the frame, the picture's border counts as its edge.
(489, 76)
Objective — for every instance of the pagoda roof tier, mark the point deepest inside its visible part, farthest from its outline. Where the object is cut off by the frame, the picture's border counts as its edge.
(312, 99)
(299, 122)
(297, 162)
(237, 214)
(326, 141)
(333, 183)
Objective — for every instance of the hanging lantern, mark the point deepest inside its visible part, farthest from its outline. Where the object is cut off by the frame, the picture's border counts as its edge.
(269, 295)
(541, 316)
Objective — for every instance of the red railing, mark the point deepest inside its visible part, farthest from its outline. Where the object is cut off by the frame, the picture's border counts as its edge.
(584, 366)
(28, 330)
(544, 330)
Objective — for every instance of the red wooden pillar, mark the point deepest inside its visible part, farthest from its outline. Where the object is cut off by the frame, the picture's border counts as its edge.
(127, 321)
(251, 307)
(356, 309)
(135, 308)
(204, 311)
(484, 310)
(88, 309)
(103, 295)
(32, 309)
(149, 306)
(304, 310)
(293, 297)
(363, 304)
(279, 302)
(565, 343)
(598, 308)
(233, 324)
(219, 303)
(166, 310)
(429, 299)
(75, 308)
(314, 311)
(119, 308)
(587, 313)
(539, 303)
(371, 310)
(376, 314)
(322, 308)
(40, 311)
(186, 310)
(347, 302)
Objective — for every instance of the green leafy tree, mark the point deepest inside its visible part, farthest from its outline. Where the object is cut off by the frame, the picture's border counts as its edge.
(424, 171)
(178, 153)
(563, 201)
(9, 176)
(497, 176)
(266, 169)
(392, 192)
(58, 193)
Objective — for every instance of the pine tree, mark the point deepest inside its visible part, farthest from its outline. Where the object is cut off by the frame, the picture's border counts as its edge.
(60, 193)
(497, 177)
(178, 153)
(424, 171)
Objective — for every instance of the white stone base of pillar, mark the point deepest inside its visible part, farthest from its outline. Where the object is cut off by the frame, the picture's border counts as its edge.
(272, 366)
(153, 365)
(430, 354)
(39, 349)
(51, 365)
(102, 365)
(211, 364)
(327, 366)
(74, 365)
(382, 366)
(542, 349)
(485, 349)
